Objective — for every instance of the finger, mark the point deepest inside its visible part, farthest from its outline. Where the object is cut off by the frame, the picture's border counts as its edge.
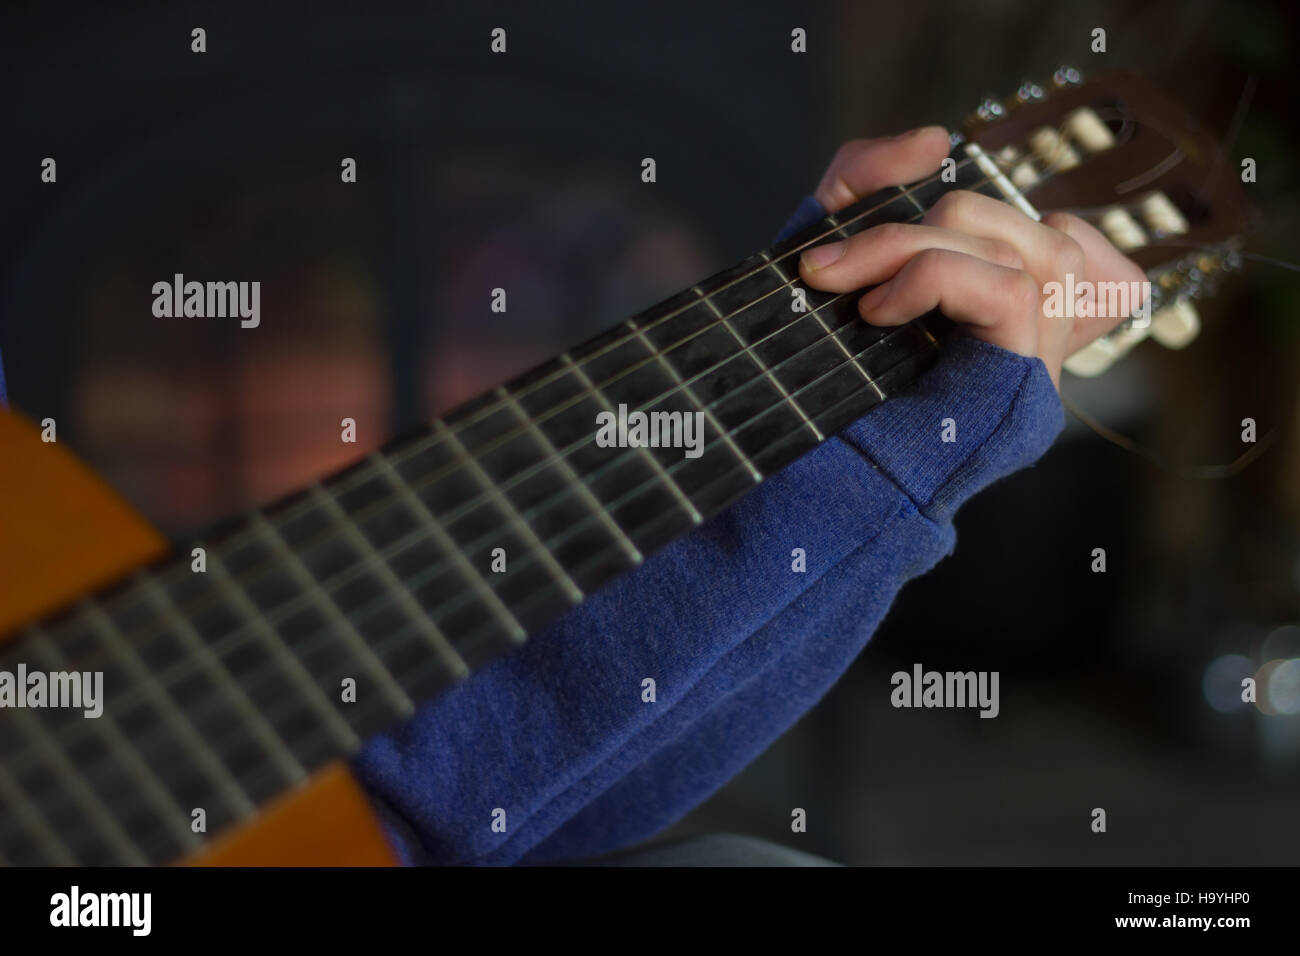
(863, 166)
(997, 304)
(1105, 263)
(1047, 253)
(875, 254)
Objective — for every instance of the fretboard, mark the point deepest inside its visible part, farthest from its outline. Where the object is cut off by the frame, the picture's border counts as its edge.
(328, 616)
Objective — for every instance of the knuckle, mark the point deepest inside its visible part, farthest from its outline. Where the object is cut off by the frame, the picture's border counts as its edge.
(927, 264)
(1067, 255)
(1060, 221)
(951, 208)
(1023, 292)
(890, 233)
(1004, 253)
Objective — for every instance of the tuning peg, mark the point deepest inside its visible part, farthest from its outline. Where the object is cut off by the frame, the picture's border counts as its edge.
(1164, 218)
(1030, 92)
(990, 109)
(1093, 359)
(1122, 229)
(1177, 324)
(1066, 76)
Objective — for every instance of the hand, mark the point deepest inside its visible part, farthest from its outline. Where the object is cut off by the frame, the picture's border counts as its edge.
(982, 261)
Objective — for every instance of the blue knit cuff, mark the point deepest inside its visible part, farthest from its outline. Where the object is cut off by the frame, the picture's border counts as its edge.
(980, 413)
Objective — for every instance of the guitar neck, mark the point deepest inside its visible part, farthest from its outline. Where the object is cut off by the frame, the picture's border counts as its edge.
(281, 641)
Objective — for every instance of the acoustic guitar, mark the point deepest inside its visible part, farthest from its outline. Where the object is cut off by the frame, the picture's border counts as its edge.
(242, 669)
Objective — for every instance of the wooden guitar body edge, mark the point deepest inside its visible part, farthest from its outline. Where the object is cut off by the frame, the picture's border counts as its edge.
(63, 534)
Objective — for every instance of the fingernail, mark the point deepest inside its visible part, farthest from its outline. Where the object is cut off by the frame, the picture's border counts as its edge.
(819, 257)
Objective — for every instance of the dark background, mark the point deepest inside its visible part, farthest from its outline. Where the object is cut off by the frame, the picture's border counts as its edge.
(523, 171)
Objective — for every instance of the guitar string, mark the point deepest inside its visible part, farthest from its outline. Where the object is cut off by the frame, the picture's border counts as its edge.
(117, 601)
(798, 428)
(275, 614)
(366, 473)
(422, 445)
(226, 642)
(78, 728)
(418, 447)
(319, 638)
(830, 334)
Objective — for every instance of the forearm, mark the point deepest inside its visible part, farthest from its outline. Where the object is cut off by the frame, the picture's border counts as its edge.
(739, 644)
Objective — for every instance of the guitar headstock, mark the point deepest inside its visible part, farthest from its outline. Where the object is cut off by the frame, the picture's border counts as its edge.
(1119, 154)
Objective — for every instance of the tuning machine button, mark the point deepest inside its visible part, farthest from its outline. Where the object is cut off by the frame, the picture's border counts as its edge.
(1162, 215)
(1122, 229)
(1176, 324)
(1093, 359)
(1053, 152)
(1088, 130)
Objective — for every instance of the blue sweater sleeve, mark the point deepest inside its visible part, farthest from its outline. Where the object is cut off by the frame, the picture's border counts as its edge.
(558, 736)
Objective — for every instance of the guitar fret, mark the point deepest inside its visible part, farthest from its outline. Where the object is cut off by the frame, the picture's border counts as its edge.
(612, 526)
(708, 413)
(762, 366)
(290, 664)
(414, 613)
(391, 689)
(668, 481)
(206, 758)
(171, 813)
(910, 196)
(839, 229)
(278, 749)
(55, 849)
(105, 823)
(853, 359)
(449, 654)
(561, 576)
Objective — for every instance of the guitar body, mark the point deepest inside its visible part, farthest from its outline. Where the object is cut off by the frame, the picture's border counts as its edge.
(64, 533)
